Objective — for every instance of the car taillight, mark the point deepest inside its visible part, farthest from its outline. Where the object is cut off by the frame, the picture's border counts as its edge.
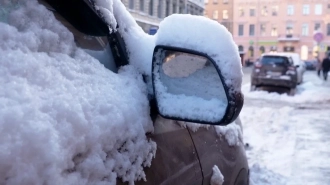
(258, 65)
(291, 68)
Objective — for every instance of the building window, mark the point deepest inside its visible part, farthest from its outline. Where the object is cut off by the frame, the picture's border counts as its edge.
(131, 4)
(225, 1)
(215, 14)
(251, 30)
(252, 12)
(274, 10)
(142, 5)
(181, 10)
(174, 8)
(262, 49)
(318, 9)
(288, 49)
(151, 6)
(251, 51)
(264, 11)
(290, 10)
(240, 30)
(241, 11)
(215, 1)
(289, 29)
(304, 52)
(167, 8)
(328, 29)
(274, 31)
(159, 8)
(305, 9)
(317, 26)
(206, 1)
(304, 30)
(263, 29)
(225, 14)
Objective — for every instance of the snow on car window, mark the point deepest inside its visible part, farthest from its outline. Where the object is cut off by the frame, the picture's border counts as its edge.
(208, 37)
(63, 115)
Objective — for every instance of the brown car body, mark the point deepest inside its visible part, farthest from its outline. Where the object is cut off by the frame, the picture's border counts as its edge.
(182, 156)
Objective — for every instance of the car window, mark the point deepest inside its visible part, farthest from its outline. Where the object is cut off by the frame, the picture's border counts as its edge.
(96, 46)
(274, 60)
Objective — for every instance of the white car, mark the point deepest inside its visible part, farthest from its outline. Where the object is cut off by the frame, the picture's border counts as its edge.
(300, 65)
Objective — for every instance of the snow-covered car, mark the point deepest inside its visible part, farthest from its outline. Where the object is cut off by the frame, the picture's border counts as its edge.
(89, 98)
(298, 63)
(275, 69)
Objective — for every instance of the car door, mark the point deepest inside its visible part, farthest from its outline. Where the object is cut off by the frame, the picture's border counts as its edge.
(213, 150)
(176, 160)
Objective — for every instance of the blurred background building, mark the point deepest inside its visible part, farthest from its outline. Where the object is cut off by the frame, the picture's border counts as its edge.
(149, 13)
(221, 11)
(283, 26)
(260, 26)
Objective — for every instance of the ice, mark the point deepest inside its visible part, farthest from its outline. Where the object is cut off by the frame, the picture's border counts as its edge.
(63, 115)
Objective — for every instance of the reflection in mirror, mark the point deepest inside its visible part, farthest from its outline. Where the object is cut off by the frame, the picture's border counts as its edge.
(188, 86)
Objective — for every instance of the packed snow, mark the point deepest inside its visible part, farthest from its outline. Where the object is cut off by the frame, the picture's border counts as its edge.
(288, 136)
(217, 177)
(63, 115)
(216, 40)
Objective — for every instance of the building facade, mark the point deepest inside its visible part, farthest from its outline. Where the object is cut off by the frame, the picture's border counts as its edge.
(221, 11)
(283, 26)
(149, 13)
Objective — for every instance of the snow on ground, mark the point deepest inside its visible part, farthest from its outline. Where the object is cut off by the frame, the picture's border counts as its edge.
(312, 90)
(288, 137)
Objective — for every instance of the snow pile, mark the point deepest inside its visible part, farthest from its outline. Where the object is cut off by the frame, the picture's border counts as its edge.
(269, 131)
(313, 89)
(232, 133)
(140, 45)
(214, 38)
(217, 177)
(63, 116)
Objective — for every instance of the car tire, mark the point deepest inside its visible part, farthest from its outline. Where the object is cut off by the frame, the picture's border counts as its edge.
(292, 92)
(253, 88)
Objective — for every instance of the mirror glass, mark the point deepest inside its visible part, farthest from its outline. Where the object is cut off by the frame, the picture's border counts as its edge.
(188, 86)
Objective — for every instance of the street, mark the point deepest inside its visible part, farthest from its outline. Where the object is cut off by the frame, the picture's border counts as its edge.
(288, 136)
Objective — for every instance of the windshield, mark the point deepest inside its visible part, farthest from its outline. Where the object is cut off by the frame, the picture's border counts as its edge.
(274, 60)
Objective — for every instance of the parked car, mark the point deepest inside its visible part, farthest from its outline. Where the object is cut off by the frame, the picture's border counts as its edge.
(310, 65)
(183, 156)
(298, 63)
(275, 69)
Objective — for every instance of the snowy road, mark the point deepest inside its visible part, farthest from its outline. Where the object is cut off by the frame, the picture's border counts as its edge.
(288, 137)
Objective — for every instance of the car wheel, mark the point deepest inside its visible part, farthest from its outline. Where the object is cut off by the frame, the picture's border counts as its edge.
(253, 88)
(292, 92)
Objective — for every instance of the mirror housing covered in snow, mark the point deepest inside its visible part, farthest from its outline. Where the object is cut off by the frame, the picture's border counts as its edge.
(188, 86)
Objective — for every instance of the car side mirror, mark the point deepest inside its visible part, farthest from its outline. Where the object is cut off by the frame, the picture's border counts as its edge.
(188, 86)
